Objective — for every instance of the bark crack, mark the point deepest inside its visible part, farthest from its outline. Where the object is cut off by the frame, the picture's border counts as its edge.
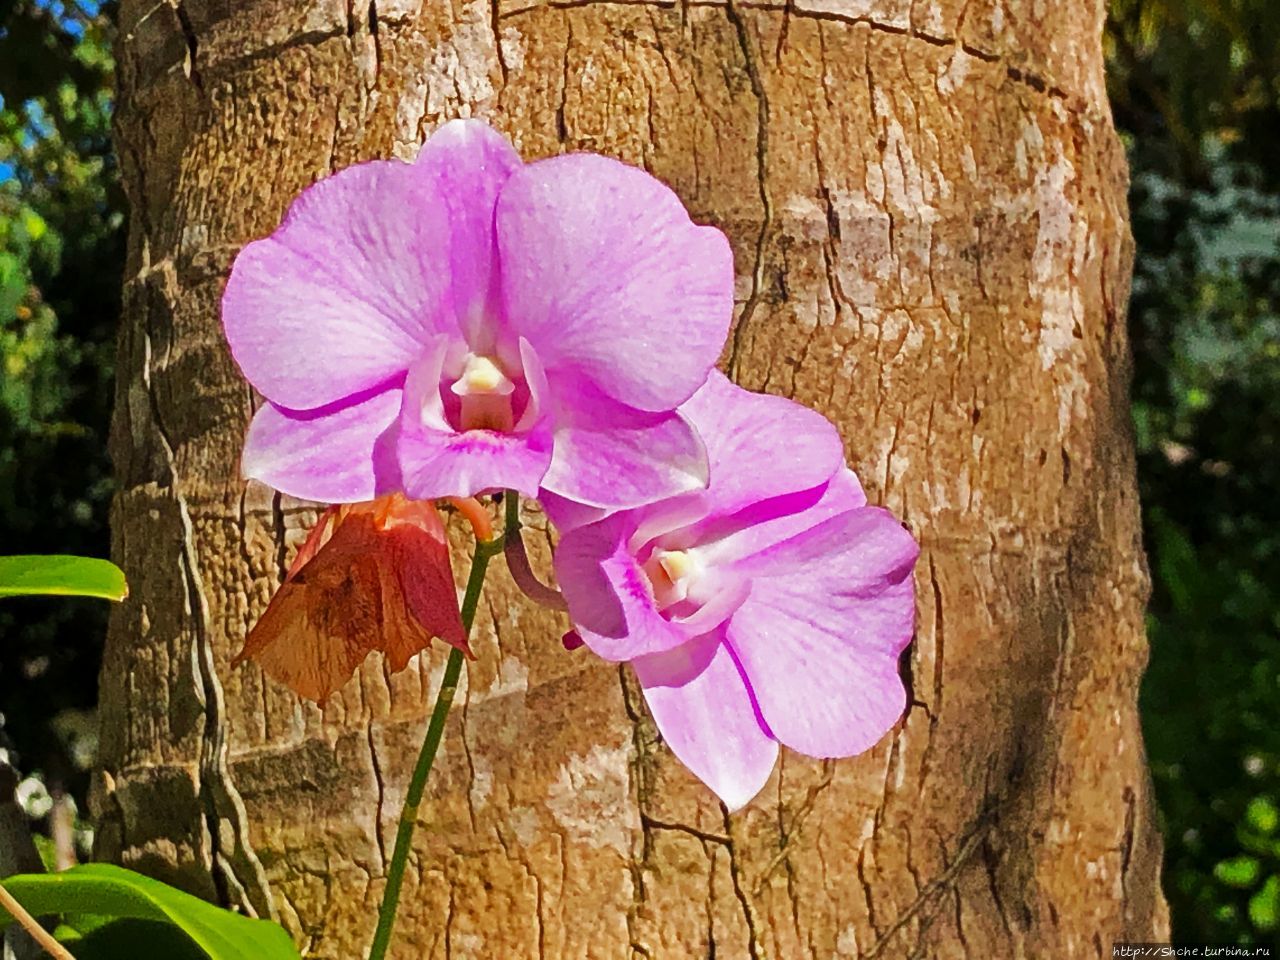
(752, 66)
(936, 887)
(939, 647)
(382, 793)
(702, 835)
(787, 834)
(641, 771)
(377, 42)
(788, 9)
(278, 532)
(466, 749)
(495, 17)
(215, 788)
(991, 863)
(1126, 843)
(191, 69)
(735, 875)
(562, 127)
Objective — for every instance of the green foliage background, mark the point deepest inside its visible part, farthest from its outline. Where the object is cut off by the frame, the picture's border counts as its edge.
(61, 260)
(1196, 89)
(1195, 85)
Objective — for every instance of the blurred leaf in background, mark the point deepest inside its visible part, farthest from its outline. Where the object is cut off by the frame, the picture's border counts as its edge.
(61, 259)
(1195, 85)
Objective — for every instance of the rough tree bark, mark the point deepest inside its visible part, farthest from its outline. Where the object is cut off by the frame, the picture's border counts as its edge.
(926, 201)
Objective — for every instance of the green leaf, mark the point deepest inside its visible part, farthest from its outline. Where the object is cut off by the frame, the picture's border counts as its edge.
(105, 890)
(121, 939)
(1262, 814)
(34, 224)
(1264, 906)
(1240, 872)
(61, 575)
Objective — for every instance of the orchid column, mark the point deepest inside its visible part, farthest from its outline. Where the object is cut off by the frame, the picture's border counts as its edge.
(927, 219)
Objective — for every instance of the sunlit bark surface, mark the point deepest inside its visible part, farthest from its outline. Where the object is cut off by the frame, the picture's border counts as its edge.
(926, 203)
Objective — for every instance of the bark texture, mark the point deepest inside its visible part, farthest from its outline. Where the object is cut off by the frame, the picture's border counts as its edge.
(926, 203)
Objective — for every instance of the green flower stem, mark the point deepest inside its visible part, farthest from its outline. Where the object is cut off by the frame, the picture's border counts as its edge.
(485, 551)
(511, 514)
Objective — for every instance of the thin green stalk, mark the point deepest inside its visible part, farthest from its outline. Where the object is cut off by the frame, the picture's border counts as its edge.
(511, 515)
(485, 550)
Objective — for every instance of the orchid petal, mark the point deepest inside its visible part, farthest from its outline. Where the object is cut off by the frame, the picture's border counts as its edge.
(829, 613)
(445, 463)
(341, 297)
(567, 514)
(469, 162)
(612, 456)
(760, 526)
(339, 454)
(605, 274)
(702, 705)
(760, 446)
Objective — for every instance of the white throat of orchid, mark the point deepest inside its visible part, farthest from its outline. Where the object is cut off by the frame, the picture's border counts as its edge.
(674, 575)
(485, 392)
(690, 586)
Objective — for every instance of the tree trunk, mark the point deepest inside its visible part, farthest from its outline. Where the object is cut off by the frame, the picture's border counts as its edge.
(927, 205)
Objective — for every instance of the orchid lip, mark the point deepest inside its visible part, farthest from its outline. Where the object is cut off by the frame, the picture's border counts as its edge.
(717, 608)
(485, 394)
(686, 592)
(460, 389)
(672, 574)
(679, 564)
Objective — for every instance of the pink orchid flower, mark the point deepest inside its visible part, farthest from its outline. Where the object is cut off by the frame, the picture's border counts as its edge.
(770, 608)
(468, 322)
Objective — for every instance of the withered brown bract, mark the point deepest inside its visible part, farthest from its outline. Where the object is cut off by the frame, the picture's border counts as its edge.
(371, 576)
